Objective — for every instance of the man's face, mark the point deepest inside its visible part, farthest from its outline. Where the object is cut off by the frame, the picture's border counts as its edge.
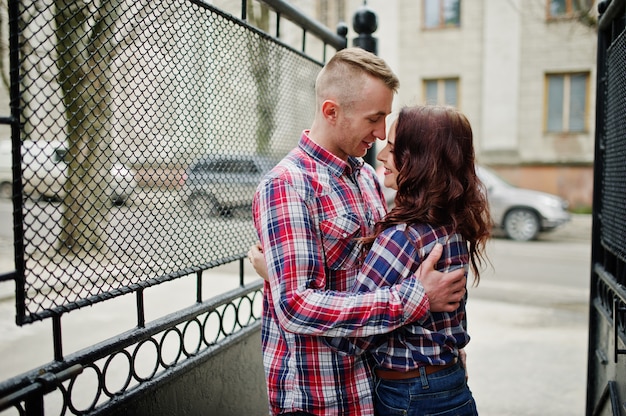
(363, 122)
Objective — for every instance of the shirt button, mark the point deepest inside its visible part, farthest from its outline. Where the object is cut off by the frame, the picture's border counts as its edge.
(345, 235)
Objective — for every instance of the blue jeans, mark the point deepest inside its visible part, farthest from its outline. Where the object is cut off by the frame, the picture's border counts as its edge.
(444, 393)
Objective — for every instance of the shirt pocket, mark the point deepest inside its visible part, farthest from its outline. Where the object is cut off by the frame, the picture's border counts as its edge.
(339, 235)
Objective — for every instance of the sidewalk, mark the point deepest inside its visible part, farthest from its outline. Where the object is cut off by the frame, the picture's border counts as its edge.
(526, 360)
(528, 354)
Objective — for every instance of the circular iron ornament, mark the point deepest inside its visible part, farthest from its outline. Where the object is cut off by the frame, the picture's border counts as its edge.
(228, 307)
(179, 337)
(244, 312)
(214, 312)
(156, 362)
(70, 390)
(105, 369)
(186, 335)
(66, 398)
(20, 409)
(257, 304)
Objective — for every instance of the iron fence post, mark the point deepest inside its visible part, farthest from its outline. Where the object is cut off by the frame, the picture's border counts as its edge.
(364, 23)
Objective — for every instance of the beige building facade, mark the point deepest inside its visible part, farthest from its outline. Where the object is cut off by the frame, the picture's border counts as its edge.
(523, 71)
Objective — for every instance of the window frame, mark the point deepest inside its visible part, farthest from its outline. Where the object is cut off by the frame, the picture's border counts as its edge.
(566, 102)
(441, 15)
(441, 90)
(570, 10)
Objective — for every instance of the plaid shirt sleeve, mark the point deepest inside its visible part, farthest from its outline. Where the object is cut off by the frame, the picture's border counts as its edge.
(293, 247)
(392, 259)
(395, 256)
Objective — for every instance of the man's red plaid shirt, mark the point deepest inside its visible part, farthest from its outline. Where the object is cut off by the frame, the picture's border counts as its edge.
(308, 212)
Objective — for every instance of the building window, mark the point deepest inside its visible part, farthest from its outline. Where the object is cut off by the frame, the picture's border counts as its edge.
(440, 14)
(567, 102)
(566, 8)
(442, 91)
(331, 12)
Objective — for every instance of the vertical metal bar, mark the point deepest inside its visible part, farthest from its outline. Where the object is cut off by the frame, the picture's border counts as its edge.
(277, 25)
(33, 405)
(57, 338)
(199, 286)
(244, 10)
(18, 234)
(594, 371)
(615, 330)
(241, 265)
(303, 40)
(618, 311)
(305, 22)
(141, 314)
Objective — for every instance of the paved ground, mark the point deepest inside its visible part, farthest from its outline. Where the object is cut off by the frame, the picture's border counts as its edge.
(527, 361)
(528, 321)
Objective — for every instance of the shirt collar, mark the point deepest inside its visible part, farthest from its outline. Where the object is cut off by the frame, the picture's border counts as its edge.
(323, 156)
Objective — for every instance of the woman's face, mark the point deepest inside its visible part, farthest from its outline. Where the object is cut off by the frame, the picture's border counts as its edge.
(386, 157)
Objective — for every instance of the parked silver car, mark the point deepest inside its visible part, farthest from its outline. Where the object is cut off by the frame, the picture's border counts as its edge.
(216, 184)
(45, 172)
(521, 213)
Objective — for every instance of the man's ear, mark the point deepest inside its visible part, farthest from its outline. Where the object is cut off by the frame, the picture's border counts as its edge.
(330, 111)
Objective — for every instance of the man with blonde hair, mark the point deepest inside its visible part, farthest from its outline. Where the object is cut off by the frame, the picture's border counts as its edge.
(309, 212)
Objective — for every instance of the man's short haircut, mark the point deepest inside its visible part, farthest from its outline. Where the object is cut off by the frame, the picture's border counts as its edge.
(343, 72)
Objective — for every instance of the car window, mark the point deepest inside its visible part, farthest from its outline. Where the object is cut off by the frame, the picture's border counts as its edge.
(200, 167)
(245, 166)
(226, 166)
(490, 179)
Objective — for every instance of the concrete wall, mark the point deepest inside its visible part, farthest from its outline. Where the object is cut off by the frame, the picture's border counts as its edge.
(571, 182)
(230, 383)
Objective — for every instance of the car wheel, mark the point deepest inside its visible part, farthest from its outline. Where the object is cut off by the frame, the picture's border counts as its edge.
(204, 204)
(6, 189)
(521, 224)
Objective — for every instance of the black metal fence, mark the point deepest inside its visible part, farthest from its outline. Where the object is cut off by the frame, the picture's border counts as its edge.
(140, 130)
(141, 126)
(607, 320)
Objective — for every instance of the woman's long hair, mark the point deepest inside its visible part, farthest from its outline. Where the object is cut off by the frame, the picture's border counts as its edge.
(437, 182)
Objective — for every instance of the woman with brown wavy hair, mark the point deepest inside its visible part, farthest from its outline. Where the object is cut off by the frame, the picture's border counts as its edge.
(429, 160)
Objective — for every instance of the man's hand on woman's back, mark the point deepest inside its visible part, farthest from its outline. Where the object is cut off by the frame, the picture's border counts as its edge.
(445, 291)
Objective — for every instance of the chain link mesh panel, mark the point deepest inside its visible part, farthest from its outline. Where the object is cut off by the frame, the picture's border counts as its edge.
(614, 187)
(146, 127)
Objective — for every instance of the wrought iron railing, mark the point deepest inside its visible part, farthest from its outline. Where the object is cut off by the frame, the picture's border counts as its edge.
(94, 380)
(144, 128)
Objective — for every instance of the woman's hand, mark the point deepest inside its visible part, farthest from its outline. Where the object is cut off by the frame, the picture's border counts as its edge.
(257, 259)
(463, 358)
